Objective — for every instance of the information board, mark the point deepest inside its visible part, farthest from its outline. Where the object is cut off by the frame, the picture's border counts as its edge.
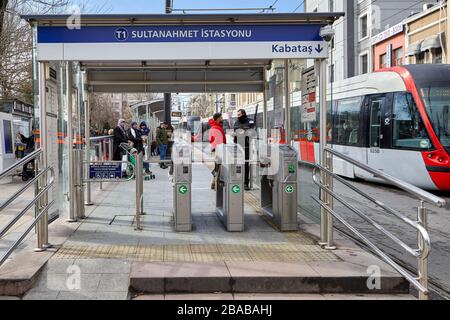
(105, 171)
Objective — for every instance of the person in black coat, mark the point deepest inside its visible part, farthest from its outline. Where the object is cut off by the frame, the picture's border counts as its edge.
(135, 135)
(120, 136)
(241, 128)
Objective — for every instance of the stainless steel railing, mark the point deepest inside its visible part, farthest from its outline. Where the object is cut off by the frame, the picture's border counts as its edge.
(327, 195)
(42, 182)
(103, 149)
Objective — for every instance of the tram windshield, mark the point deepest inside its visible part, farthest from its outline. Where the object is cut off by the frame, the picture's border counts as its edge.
(436, 98)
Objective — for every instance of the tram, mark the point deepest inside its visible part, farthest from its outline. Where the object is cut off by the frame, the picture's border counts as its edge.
(395, 120)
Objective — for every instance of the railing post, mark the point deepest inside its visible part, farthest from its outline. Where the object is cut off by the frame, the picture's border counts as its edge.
(330, 202)
(87, 146)
(100, 157)
(37, 209)
(138, 177)
(321, 66)
(110, 149)
(80, 186)
(422, 261)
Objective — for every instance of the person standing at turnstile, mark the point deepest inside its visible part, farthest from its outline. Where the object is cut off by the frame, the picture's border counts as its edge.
(216, 137)
(241, 136)
(162, 139)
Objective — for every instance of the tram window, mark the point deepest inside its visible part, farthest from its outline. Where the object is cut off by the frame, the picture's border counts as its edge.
(375, 123)
(408, 128)
(347, 121)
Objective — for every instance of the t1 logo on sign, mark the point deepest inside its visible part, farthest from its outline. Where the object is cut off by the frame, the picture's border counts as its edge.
(121, 34)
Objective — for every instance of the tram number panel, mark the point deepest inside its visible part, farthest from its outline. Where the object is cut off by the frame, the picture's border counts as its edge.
(375, 150)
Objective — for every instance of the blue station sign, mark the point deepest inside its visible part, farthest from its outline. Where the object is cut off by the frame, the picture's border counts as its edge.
(206, 33)
(176, 42)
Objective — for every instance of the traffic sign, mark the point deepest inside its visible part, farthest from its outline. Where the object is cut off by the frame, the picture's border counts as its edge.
(183, 189)
(289, 189)
(236, 189)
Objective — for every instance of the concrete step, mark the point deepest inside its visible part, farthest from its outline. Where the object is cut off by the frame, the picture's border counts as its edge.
(259, 277)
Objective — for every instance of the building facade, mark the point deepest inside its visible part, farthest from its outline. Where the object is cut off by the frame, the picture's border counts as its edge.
(426, 35)
(351, 51)
(389, 48)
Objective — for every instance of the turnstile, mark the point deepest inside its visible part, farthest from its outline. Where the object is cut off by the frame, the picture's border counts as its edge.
(229, 187)
(279, 186)
(182, 181)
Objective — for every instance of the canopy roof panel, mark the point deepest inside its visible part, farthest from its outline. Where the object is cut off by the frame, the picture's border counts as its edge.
(185, 19)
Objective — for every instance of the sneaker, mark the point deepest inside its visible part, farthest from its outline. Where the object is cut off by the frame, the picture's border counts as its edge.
(247, 188)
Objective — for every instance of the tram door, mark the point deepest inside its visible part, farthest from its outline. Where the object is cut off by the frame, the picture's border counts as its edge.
(379, 130)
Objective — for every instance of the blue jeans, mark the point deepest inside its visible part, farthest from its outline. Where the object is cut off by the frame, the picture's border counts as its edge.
(162, 151)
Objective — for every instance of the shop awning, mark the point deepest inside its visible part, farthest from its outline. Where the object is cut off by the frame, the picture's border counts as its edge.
(431, 43)
(414, 48)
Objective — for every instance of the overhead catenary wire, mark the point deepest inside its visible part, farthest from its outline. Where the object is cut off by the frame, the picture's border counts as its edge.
(298, 7)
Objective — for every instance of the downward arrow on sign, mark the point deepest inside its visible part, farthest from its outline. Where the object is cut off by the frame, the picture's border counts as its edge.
(319, 48)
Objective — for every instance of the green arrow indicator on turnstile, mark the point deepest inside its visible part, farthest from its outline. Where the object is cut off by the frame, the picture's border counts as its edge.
(236, 189)
(289, 189)
(183, 189)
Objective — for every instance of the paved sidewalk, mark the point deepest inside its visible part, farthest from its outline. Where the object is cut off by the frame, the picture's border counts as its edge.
(96, 261)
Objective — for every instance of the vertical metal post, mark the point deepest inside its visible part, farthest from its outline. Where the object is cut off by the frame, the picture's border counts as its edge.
(141, 183)
(422, 262)
(330, 201)
(43, 225)
(104, 149)
(110, 149)
(69, 86)
(100, 157)
(37, 209)
(265, 117)
(80, 186)
(87, 134)
(287, 98)
(138, 175)
(321, 66)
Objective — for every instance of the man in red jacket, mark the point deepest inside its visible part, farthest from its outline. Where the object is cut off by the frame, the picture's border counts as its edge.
(216, 137)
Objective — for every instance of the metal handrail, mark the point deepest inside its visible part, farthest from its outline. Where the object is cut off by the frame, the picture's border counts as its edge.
(418, 253)
(31, 204)
(20, 163)
(22, 237)
(419, 193)
(100, 138)
(22, 190)
(385, 257)
(34, 202)
(424, 241)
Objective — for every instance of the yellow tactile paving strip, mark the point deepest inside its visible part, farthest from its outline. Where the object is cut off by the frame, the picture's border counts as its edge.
(199, 253)
(298, 247)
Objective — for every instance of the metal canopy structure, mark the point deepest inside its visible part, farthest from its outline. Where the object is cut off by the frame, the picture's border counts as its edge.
(185, 19)
(183, 75)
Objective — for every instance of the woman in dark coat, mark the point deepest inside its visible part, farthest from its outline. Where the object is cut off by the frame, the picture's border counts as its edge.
(120, 136)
